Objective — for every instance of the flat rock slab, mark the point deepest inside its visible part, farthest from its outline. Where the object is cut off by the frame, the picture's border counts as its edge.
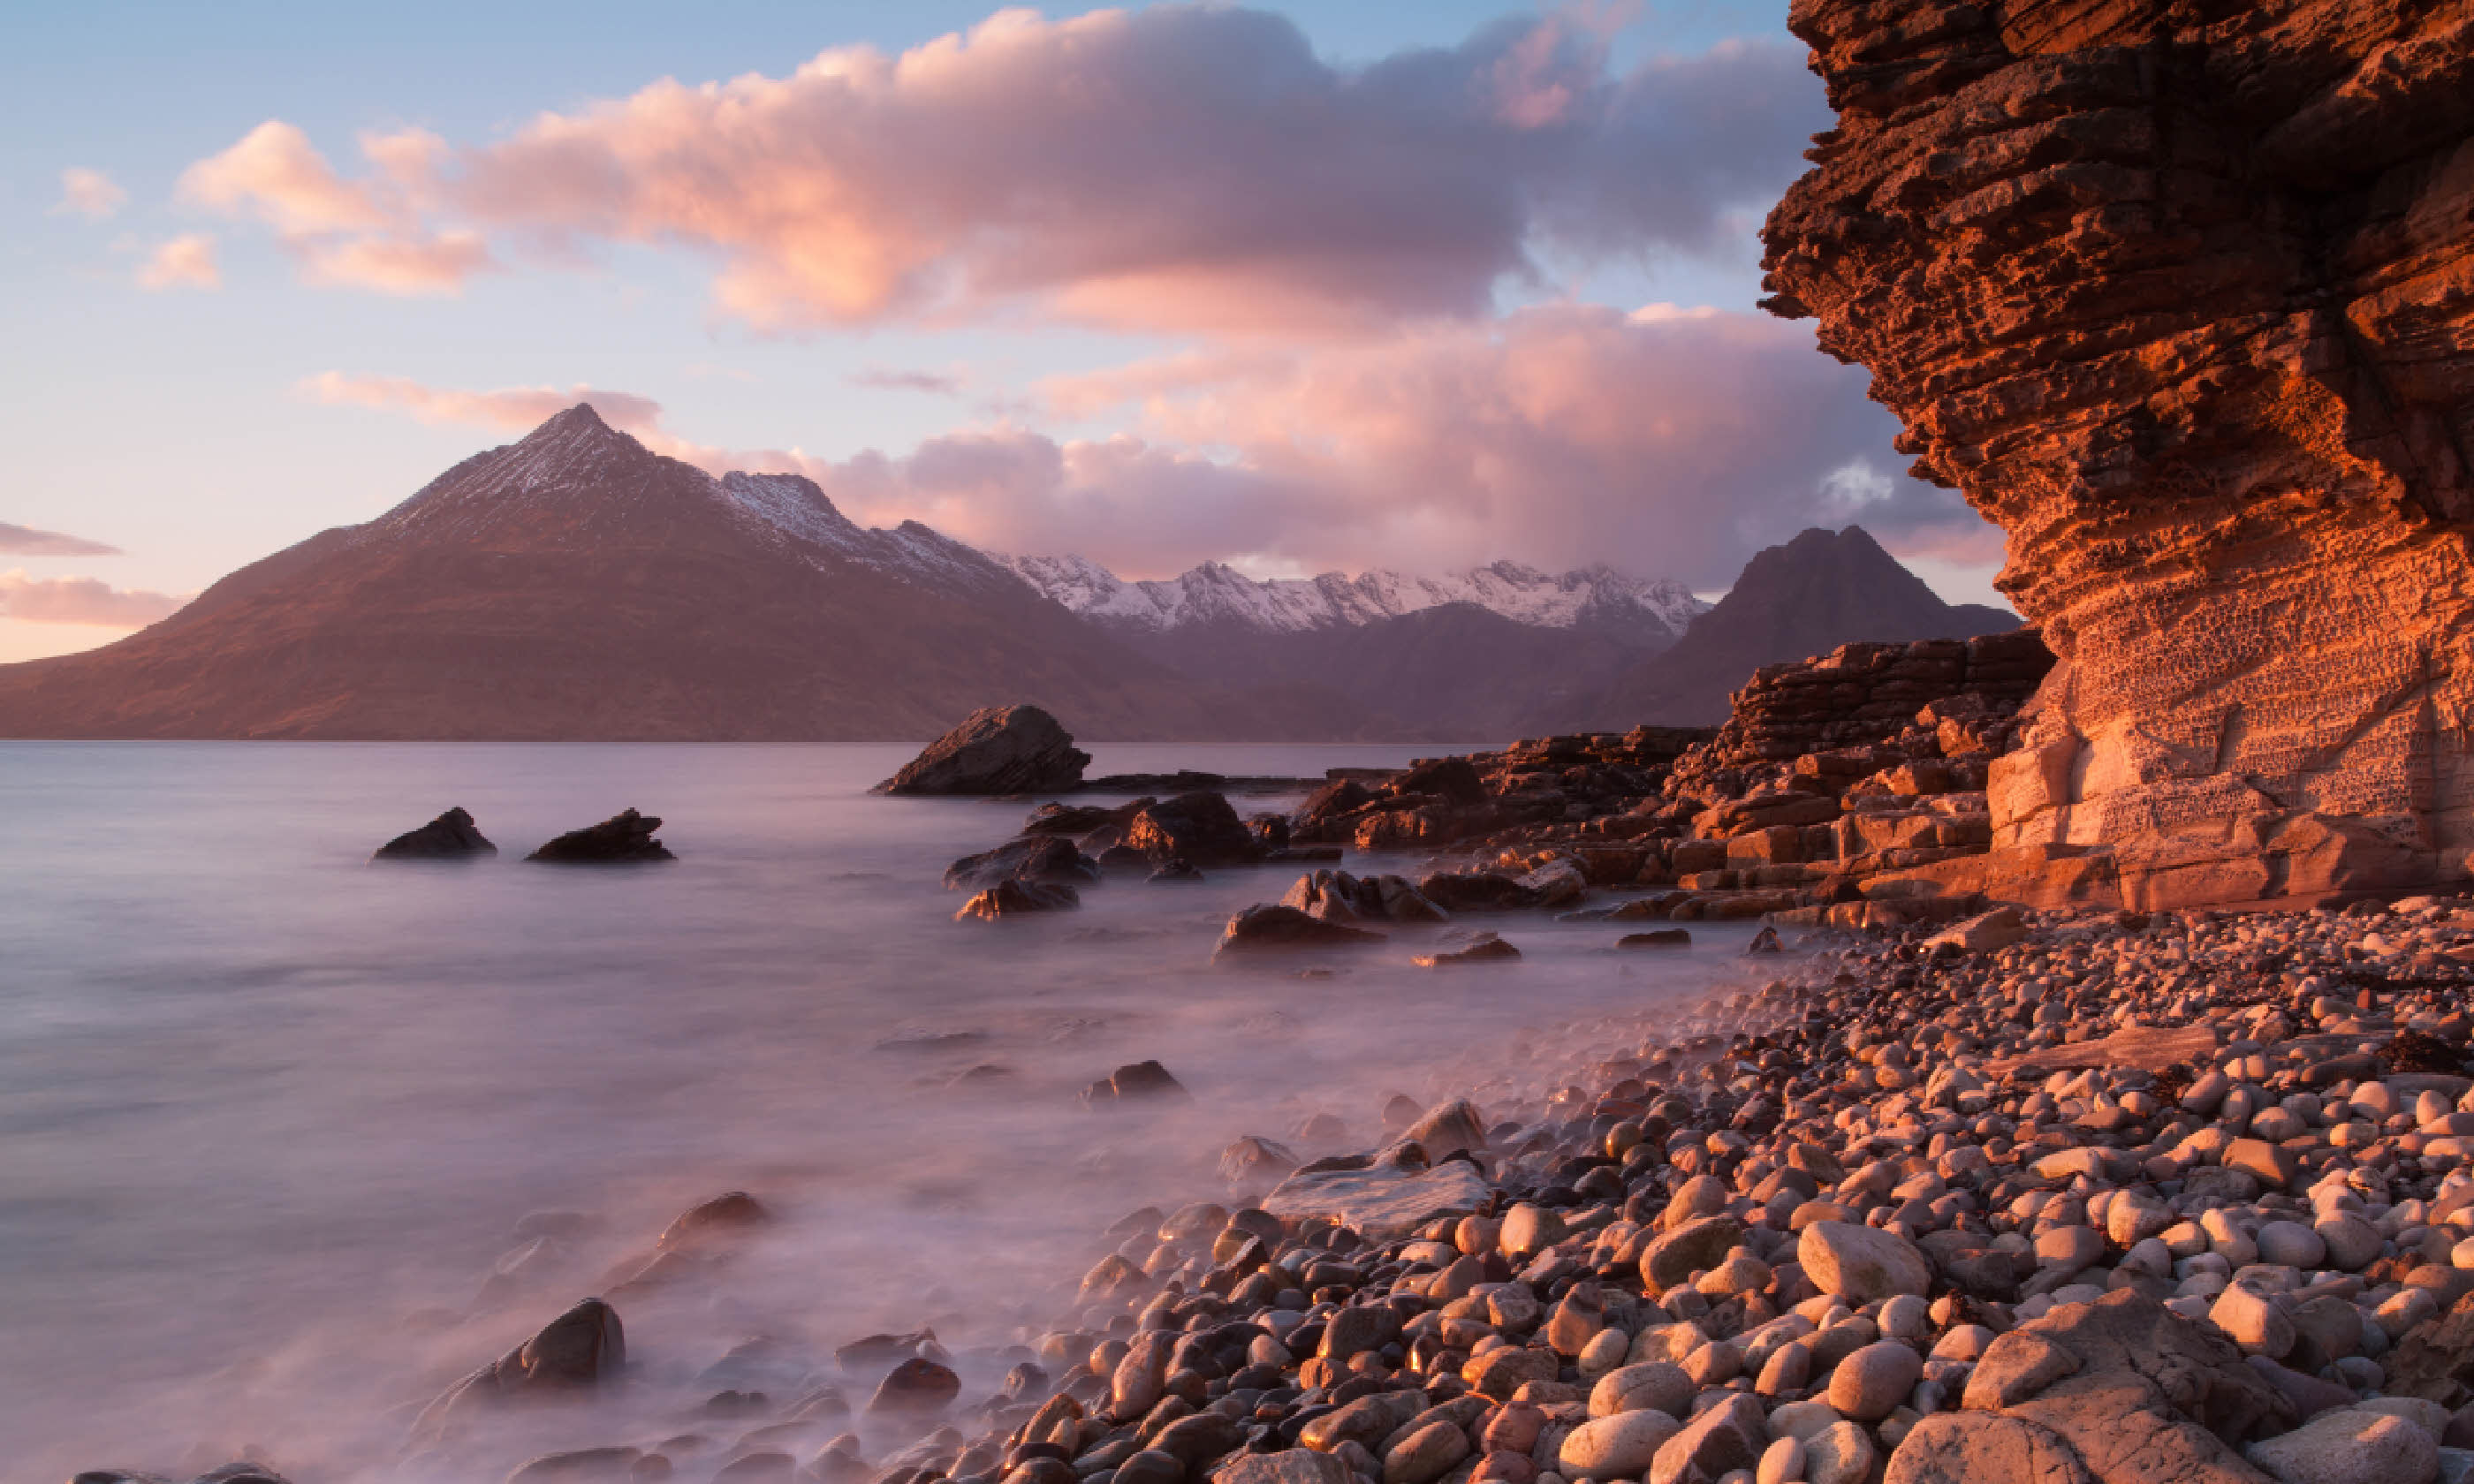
(2148, 1048)
(1382, 1202)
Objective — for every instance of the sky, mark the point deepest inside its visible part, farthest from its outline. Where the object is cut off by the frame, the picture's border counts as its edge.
(1418, 284)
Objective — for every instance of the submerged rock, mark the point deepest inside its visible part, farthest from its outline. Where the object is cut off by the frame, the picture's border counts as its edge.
(625, 838)
(451, 836)
(578, 1351)
(1200, 829)
(997, 750)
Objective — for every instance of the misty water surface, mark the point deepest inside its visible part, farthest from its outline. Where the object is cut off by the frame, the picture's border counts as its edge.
(269, 1112)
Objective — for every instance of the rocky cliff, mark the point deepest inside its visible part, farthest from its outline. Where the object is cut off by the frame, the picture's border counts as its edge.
(2182, 295)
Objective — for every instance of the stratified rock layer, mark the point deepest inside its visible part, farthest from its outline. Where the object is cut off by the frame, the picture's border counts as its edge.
(2182, 295)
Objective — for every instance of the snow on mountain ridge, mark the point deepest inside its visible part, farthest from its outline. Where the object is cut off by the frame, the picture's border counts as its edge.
(1217, 593)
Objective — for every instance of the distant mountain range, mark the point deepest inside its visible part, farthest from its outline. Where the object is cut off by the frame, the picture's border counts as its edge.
(575, 586)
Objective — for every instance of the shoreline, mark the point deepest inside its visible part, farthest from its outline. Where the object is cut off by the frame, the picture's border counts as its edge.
(1824, 1268)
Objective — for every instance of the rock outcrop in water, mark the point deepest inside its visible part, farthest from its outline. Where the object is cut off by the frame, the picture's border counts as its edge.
(2182, 295)
(451, 836)
(624, 839)
(997, 750)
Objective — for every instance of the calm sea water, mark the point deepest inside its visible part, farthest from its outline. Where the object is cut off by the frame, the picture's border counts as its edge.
(269, 1112)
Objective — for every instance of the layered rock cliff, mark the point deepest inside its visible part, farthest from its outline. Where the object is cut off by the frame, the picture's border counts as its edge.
(2181, 294)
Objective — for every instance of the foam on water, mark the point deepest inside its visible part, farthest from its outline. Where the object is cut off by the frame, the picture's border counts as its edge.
(270, 1114)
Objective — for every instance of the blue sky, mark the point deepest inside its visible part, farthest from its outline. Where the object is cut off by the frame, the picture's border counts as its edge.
(183, 423)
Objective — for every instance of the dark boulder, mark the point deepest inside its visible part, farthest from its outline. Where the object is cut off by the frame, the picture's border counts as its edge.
(1067, 819)
(624, 839)
(998, 749)
(1268, 928)
(578, 1351)
(1485, 948)
(1135, 1082)
(1197, 827)
(1477, 890)
(917, 1387)
(1326, 814)
(451, 836)
(1455, 778)
(1050, 859)
(1176, 871)
(1014, 898)
(1662, 937)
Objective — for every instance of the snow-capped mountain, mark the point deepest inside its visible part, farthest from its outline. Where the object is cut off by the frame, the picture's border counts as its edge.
(1216, 595)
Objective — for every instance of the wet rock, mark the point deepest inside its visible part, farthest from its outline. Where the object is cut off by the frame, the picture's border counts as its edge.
(1175, 871)
(1660, 938)
(1046, 859)
(915, 1388)
(1693, 1247)
(581, 1465)
(1199, 828)
(998, 749)
(582, 1348)
(451, 836)
(1254, 1158)
(1017, 898)
(1275, 929)
(1287, 1466)
(1136, 1082)
(1484, 949)
(624, 839)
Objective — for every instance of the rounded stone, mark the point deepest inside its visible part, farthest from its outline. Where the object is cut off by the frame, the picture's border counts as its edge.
(1616, 1448)
(1653, 1387)
(1839, 1454)
(1873, 1381)
(2291, 1244)
(1861, 1264)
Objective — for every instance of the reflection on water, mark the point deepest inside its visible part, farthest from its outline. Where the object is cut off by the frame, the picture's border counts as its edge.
(270, 1114)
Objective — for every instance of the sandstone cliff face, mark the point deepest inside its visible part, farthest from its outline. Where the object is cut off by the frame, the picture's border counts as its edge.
(2182, 295)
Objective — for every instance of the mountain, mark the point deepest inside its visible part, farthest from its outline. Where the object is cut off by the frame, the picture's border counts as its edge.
(1653, 612)
(574, 585)
(1471, 654)
(1820, 590)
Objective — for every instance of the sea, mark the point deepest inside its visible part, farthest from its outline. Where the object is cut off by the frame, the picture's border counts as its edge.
(272, 1116)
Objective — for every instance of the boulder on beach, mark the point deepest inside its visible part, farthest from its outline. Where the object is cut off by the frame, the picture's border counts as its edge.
(997, 750)
(451, 836)
(624, 839)
(1381, 1197)
(1270, 928)
(1018, 899)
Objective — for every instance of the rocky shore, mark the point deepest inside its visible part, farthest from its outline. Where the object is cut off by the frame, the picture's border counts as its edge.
(2074, 1196)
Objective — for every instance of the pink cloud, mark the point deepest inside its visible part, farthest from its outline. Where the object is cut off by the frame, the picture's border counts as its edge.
(89, 193)
(80, 600)
(185, 262)
(1666, 442)
(366, 233)
(1180, 167)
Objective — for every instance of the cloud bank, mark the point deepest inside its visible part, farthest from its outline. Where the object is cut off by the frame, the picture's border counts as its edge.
(80, 600)
(1176, 167)
(27, 541)
(1663, 442)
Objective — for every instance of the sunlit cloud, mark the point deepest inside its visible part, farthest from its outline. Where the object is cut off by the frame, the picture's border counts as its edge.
(878, 379)
(360, 233)
(1175, 167)
(185, 262)
(80, 600)
(1668, 442)
(89, 193)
